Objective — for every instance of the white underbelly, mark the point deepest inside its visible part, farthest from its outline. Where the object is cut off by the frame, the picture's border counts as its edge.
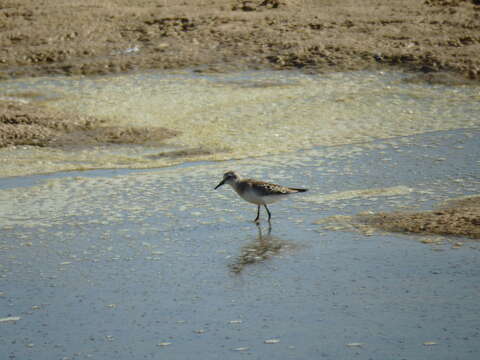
(252, 197)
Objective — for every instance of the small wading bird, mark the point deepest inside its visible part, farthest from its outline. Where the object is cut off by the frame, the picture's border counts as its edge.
(257, 192)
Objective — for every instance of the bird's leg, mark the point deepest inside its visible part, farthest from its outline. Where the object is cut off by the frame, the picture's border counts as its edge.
(258, 215)
(268, 212)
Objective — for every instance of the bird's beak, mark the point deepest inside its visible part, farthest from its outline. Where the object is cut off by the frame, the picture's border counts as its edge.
(220, 184)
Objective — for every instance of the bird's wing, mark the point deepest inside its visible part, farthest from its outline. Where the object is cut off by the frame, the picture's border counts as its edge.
(265, 189)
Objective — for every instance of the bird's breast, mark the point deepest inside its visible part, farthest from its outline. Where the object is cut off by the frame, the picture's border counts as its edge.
(250, 196)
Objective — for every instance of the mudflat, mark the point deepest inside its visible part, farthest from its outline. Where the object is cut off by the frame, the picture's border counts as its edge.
(91, 37)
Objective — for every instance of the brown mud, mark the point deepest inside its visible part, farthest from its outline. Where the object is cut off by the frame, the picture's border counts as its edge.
(40, 37)
(456, 218)
(26, 124)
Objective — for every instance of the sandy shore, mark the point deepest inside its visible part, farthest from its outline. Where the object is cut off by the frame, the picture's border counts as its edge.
(458, 217)
(90, 37)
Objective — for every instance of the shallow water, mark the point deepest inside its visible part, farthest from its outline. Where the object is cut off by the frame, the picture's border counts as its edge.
(234, 116)
(128, 263)
(156, 264)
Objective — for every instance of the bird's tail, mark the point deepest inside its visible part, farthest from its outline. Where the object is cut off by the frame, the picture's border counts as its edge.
(298, 190)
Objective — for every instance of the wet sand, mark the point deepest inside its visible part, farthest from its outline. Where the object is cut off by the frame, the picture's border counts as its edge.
(35, 125)
(91, 38)
(459, 217)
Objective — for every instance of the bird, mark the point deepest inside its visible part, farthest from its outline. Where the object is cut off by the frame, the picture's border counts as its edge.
(257, 192)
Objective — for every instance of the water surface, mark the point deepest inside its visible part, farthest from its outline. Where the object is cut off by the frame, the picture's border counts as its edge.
(234, 116)
(157, 264)
(130, 263)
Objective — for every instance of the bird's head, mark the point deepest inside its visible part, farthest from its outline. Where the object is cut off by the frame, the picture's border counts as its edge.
(229, 177)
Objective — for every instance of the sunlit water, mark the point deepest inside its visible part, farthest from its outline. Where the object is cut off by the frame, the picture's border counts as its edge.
(153, 264)
(234, 116)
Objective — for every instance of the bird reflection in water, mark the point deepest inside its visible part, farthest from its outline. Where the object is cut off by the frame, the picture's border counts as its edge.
(262, 248)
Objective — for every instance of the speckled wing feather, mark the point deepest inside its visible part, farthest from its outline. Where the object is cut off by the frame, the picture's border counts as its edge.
(266, 189)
